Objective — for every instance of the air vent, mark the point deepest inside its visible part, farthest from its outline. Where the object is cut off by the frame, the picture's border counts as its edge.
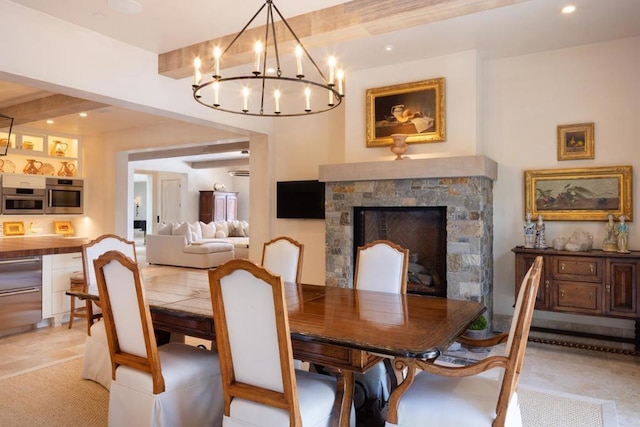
(239, 173)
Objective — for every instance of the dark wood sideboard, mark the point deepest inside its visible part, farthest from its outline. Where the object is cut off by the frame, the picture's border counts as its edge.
(594, 283)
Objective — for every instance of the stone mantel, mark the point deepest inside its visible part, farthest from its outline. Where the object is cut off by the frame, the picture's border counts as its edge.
(440, 167)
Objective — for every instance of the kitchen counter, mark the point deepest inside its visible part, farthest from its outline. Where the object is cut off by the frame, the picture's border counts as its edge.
(11, 247)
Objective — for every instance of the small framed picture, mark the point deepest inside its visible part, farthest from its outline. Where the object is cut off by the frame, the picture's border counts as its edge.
(13, 228)
(63, 227)
(575, 142)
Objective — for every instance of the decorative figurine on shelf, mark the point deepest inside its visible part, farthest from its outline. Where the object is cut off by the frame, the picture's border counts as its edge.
(610, 242)
(529, 232)
(541, 242)
(623, 235)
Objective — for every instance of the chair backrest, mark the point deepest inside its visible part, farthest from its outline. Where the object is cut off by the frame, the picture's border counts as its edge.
(283, 256)
(95, 248)
(127, 318)
(250, 314)
(381, 266)
(518, 336)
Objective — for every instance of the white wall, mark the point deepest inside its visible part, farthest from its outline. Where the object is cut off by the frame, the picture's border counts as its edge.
(526, 98)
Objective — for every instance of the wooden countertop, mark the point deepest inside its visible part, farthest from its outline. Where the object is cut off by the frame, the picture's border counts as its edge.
(11, 247)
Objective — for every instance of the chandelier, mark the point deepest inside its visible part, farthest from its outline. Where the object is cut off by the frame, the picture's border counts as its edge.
(267, 87)
(6, 124)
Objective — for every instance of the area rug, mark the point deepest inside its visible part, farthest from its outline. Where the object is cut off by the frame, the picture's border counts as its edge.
(53, 396)
(57, 396)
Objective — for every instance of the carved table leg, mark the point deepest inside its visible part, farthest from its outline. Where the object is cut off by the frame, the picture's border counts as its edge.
(396, 395)
(345, 385)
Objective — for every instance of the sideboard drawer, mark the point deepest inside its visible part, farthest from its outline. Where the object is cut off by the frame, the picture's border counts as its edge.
(577, 268)
(572, 296)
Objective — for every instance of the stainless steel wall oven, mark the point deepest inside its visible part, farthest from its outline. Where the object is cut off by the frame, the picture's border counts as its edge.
(65, 196)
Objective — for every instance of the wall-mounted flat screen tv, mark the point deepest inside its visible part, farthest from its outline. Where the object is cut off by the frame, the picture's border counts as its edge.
(300, 199)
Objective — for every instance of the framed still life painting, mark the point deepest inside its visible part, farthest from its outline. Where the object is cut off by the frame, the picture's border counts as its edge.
(416, 109)
(575, 142)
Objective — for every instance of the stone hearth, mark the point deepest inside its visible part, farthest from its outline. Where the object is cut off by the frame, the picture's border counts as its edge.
(464, 185)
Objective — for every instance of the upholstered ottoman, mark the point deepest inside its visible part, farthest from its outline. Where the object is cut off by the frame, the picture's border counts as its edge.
(206, 255)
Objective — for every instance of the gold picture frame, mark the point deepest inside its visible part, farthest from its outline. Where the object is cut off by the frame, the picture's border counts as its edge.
(13, 228)
(580, 194)
(575, 142)
(63, 227)
(416, 109)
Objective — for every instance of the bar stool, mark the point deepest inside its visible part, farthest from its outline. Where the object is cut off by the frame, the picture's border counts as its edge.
(77, 283)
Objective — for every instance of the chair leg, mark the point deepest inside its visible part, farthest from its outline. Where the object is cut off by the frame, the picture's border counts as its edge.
(72, 311)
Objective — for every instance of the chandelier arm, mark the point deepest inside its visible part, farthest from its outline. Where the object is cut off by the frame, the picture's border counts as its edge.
(304, 49)
(275, 38)
(243, 29)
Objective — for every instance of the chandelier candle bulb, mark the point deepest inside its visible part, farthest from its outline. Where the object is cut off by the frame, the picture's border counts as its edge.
(276, 97)
(216, 61)
(258, 50)
(197, 75)
(332, 66)
(216, 87)
(299, 61)
(330, 97)
(340, 78)
(307, 97)
(245, 95)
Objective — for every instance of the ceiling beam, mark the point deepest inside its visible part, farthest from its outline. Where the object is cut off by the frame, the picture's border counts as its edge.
(208, 164)
(197, 150)
(48, 107)
(347, 21)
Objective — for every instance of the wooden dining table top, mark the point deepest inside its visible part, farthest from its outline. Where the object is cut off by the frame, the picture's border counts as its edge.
(387, 324)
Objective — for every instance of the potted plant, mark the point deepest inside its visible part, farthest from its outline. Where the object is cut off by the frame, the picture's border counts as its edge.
(478, 329)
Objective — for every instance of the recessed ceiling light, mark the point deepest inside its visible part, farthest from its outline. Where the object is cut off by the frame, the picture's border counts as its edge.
(125, 6)
(83, 114)
(568, 9)
(98, 15)
(49, 122)
(388, 48)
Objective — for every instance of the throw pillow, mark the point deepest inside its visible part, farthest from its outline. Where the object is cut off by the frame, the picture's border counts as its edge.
(235, 229)
(182, 229)
(245, 227)
(223, 227)
(165, 229)
(196, 231)
(220, 235)
(208, 230)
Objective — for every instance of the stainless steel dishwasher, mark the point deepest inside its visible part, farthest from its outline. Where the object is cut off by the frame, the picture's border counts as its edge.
(20, 291)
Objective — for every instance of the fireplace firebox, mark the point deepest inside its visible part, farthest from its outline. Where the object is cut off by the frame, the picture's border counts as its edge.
(422, 230)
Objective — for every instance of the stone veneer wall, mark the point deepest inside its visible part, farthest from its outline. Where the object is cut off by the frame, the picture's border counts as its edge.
(469, 203)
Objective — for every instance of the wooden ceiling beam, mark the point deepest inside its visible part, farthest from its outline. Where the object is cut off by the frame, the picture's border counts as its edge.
(347, 21)
(48, 107)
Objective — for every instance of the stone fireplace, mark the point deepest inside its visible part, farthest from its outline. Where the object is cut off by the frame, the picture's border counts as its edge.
(463, 186)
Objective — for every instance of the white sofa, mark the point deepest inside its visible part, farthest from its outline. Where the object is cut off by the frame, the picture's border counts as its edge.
(197, 244)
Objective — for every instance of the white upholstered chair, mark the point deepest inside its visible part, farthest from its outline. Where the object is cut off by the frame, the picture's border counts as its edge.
(261, 386)
(283, 256)
(381, 266)
(173, 385)
(96, 365)
(460, 396)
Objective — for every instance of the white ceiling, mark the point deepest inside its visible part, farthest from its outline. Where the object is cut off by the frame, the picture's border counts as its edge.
(164, 25)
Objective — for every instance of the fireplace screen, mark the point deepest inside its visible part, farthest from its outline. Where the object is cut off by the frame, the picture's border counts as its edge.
(422, 230)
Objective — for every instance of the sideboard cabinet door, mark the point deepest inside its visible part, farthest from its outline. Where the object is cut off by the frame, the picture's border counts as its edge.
(621, 288)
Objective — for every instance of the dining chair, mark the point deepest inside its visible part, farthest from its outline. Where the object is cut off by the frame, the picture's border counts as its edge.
(381, 266)
(261, 386)
(96, 365)
(468, 396)
(283, 256)
(172, 385)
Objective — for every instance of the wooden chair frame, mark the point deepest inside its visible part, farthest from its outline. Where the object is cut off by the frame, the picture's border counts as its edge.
(392, 245)
(294, 242)
(512, 362)
(149, 364)
(86, 268)
(288, 400)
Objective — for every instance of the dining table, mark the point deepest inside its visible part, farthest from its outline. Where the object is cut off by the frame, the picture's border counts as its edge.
(344, 329)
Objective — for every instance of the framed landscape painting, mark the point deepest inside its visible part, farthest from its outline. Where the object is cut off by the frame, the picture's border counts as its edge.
(580, 194)
(416, 109)
(13, 228)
